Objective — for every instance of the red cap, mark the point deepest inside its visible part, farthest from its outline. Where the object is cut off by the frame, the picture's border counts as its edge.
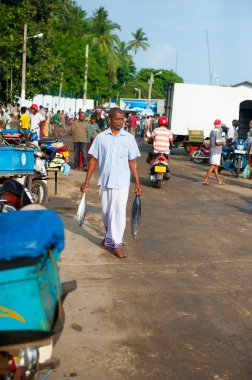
(98, 110)
(34, 106)
(163, 121)
(217, 122)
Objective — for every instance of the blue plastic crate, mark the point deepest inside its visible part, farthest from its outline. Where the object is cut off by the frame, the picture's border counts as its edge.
(16, 160)
(29, 295)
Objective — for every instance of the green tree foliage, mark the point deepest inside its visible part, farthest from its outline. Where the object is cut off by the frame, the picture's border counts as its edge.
(140, 81)
(140, 41)
(60, 55)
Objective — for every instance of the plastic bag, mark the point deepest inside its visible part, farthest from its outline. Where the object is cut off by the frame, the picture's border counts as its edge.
(82, 210)
(246, 172)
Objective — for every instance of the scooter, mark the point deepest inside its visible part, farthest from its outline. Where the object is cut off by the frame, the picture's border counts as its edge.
(200, 154)
(159, 169)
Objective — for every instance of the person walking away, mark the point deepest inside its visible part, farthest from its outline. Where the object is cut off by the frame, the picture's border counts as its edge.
(24, 121)
(79, 134)
(116, 151)
(216, 143)
(133, 123)
(37, 120)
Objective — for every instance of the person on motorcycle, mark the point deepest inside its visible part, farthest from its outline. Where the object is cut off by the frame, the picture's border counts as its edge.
(161, 138)
(216, 143)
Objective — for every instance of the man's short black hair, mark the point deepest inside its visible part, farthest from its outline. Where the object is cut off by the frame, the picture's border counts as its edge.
(115, 110)
(93, 116)
(23, 109)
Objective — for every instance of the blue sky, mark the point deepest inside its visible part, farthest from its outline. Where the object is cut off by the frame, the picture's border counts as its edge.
(176, 30)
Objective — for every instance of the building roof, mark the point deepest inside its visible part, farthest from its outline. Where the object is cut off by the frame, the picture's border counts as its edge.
(245, 83)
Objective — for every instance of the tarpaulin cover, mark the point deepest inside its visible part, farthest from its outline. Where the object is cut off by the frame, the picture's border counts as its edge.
(30, 233)
(14, 131)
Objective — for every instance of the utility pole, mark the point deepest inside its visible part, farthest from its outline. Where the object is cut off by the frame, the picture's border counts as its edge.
(11, 85)
(151, 81)
(24, 65)
(85, 78)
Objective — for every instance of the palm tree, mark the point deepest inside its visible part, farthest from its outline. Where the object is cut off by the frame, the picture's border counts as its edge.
(101, 31)
(140, 41)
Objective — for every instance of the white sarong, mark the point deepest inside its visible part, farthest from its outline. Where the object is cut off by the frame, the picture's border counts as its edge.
(114, 203)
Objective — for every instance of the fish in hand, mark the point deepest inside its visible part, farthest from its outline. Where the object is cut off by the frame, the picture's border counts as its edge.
(82, 210)
(135, 216)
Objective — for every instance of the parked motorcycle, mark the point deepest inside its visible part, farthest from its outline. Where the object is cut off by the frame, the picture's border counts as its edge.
(200, 154)
(159, 169)
(233, 157)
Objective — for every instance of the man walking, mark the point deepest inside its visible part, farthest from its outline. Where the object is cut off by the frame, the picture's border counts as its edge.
(116, 151)
(79, 135)
(216, 143)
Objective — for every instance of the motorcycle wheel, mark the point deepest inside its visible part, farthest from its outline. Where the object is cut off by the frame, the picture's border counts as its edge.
(238, 168)
(159, 183)
(39, 191)
(195, 157)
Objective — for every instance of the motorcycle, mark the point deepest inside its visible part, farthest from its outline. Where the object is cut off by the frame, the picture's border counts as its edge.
(159, 168)
(233, 157)
(200, 154)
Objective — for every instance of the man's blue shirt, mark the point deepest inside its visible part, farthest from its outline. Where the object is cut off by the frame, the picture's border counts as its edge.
(114, 153)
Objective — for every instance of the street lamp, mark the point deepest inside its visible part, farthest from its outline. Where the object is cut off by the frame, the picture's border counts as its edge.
(150, 82)
(39, 35)
(139, 92)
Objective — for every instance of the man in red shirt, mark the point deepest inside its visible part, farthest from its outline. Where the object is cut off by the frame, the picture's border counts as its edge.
(133, 123)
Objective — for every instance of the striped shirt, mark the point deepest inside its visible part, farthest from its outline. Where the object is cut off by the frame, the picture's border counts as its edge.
(162, 138)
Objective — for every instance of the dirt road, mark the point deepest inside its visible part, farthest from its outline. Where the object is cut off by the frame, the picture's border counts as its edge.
(180, 307)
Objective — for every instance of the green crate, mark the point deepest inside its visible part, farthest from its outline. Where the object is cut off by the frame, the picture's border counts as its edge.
(196, 136)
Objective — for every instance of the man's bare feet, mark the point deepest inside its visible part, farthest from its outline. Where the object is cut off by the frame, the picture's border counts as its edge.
(119, 253)
(206, 183)
(221, 183)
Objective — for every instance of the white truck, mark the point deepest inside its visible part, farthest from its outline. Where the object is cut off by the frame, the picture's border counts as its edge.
(195, 107)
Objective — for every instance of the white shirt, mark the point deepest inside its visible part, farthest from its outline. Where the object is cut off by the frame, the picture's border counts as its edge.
(35, 121)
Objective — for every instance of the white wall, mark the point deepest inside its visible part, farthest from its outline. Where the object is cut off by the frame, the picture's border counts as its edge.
(197, 106)
(59, 103)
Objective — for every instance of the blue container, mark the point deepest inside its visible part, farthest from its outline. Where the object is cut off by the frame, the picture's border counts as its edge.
(29, 295)
(31, 242)
(16, 160)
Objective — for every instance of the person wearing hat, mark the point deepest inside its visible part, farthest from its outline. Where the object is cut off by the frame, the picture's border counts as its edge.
(37, 120)
(216, 143)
